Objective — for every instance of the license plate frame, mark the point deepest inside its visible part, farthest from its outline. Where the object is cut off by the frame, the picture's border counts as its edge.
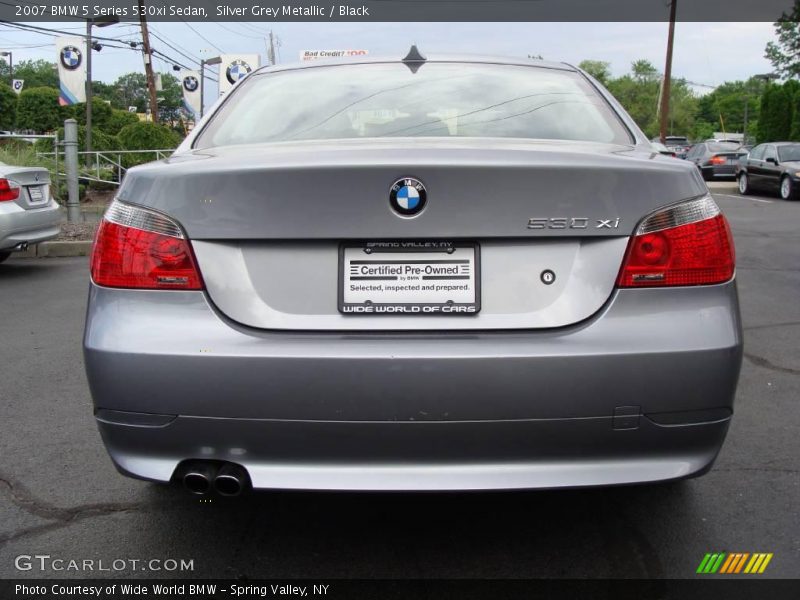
(445, 256)
(36, 194)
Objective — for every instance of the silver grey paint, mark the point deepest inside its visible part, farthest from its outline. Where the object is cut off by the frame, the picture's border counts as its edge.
(293, 285)
(20, 220)
(247, 393)
(410, 409)
(477, 188)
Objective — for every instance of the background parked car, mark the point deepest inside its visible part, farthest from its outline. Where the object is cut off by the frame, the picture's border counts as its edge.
(716, 160)
(28, 213)
(676, 143)
(773, 167)
(662, 149)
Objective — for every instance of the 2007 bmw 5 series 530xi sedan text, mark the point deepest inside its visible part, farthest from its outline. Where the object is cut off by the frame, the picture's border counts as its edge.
(413, 274)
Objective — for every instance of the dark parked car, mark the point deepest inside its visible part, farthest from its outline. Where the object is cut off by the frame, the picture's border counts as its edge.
(771, 167)
(716, 160)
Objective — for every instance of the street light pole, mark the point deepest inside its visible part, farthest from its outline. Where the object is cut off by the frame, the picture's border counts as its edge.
(88, 93)
(202, 84)
(203, 62)
(104, 22)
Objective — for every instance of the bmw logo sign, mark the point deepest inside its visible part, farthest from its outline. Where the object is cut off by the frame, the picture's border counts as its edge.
(237, 70)
(190, 83)
(71, 57)
(408, 196)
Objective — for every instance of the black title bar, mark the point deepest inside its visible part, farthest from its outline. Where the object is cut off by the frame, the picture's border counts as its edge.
(396, 10)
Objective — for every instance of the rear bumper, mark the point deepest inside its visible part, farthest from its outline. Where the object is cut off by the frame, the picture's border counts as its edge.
(547, 453)
(19, 226)
(719, 171)
(173, 380)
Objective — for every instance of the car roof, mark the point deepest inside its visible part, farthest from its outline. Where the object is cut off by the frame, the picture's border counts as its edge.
(434, 58)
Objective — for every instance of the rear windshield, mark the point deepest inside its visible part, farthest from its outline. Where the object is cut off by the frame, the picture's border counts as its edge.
(391, 100)
(789, 153)
(723, 147)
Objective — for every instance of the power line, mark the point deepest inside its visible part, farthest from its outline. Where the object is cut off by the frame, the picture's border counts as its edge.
(239, 33)
(202, 36)
(130, 45)
(45, 30)
(187, 56)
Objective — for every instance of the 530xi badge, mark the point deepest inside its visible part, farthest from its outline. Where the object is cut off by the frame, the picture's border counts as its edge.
(573, 223)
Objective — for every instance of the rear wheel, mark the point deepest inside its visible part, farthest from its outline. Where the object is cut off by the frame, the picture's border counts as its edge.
(787, 189)
(4, 255)
(744, 184)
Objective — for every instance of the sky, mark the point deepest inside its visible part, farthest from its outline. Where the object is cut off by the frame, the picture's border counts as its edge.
(705, 53)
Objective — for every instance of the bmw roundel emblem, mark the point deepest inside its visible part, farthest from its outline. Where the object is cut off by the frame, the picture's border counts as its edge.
(190, 83)
(237, 70)
(71, 57)
(408, 196)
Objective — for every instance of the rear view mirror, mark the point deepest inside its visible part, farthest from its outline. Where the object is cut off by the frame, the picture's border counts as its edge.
(772, 159)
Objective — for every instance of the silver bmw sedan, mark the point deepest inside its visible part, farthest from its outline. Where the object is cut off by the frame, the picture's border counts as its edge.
(413, 274)
(28, 212)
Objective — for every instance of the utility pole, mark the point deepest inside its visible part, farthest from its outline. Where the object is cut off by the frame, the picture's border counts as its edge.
(148, 63)
(271, 50)
(665, 92)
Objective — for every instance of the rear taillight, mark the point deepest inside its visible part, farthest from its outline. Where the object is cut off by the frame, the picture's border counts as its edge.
(9, 190)
(143, 249)
(718, 160)
(686, 244)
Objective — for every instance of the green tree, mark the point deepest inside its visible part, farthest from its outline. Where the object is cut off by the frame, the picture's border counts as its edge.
(785, 53)
(118, 120)
(794, 133)
(101, 113)
(36, 73)
(169, 98)
(8, 107)
(775, 119)
(38, 110)
(146, 136)
(638, 92)
(130, 90)
(644, 71)
(599, 69)
(725, 106)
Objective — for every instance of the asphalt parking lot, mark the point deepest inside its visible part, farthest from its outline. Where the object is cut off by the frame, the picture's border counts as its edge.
(60, 495)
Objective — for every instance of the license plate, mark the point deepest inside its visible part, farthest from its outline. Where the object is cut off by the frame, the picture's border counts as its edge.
(409, 278)
(36, 194)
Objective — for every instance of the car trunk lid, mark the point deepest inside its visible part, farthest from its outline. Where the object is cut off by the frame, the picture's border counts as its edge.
(549, 222)
(34, 185)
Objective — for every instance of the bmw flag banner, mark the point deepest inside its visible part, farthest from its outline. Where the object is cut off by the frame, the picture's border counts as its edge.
(235, 67)
(71, 70)
(17, 85)
(190, 84)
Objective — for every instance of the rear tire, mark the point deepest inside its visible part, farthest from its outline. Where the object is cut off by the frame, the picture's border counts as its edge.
(787, 190)
(4, 255)
(744, 184)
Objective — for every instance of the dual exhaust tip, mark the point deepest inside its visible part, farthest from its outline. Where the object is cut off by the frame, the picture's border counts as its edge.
(226, 479)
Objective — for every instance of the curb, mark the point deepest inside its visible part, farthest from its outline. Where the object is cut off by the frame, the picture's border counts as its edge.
(57, 250)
